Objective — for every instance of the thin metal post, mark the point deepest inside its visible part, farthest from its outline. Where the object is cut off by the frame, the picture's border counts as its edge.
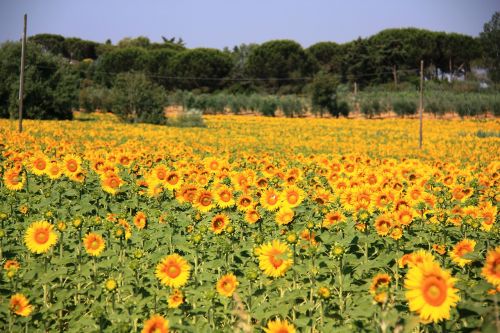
(421, 106)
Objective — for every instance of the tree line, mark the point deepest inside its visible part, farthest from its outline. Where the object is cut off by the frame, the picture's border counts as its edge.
(62, 72)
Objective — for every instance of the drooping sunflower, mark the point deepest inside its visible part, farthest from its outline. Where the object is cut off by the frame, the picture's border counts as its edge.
(111, 182)
(175, 299)
(40, 237)
(430, 291)
(140, 220)
(94, 244)
(252, 216)
(270, 200)
(462, 248)
(491, 269)
(379, 287)
(219, 223)
(284, 216)
(54, 170)
(20, 305)
(274, 258)
(333, 218)
(14, 180)
(156, 324)
(383, 224)
(227, 284)
(173, 271)
(204, 201)
(279, 326)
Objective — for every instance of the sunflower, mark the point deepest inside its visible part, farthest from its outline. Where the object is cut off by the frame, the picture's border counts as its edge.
(279, 326)
(227, 285)
(39, 165)
(175, 299)
(274, 258)
(460, 249)
(252, 216)
(404, 216)
(383, 224)
(54, 170)
(291, 197)
(20, 305)
(186, 193)
(491, 269)
(14, 180)
(40, 237)
(140, 220)
(72, 165)
(11, 264)
(156, 324)
(488, 213)
(270, 200)
(173, 180)
(111, 182)
(219, 223)
(94, 244)
(284, 216)
(244, 203)
(333, 218)
(159, 174)
(430, 291)
(204, 201)
(379, 287)
(173, 271)
(224, 197)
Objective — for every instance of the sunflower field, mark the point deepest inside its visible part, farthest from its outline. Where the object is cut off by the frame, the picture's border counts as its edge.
(250, 224)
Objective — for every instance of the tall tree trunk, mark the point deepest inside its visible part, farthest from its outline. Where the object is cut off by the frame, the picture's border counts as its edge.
(395, 74)
(451, 69)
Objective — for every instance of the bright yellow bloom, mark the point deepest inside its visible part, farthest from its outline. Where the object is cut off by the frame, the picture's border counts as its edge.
(40, 237)
(491, 269)
(227, 284)
(274, 258)
(93, 244)
(173, 271)
(156, 324)
(430, 291)
(20, 305)
(279, 326)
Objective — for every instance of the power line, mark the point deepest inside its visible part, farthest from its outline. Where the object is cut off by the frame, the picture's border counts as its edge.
(191, 78)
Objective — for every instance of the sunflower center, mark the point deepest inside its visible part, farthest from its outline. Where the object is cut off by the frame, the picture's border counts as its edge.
(496, 267)
(272, 199)
(245, 202)
(14, 179)
(276, 262)
(225, 196)
(434, 291)
(293, 198)
(40, 164)
(462, 250)
(173, 271)
(205, 201)
(72, 166)
(94, 245)
(173, 179)
(113, 182)
(227, 286)
(160, 174)
(218, 223)
(41, 236)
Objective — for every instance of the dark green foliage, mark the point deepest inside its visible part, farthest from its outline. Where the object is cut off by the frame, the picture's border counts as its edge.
(278, 62)
(136, 99)
(371, 107)
(120, 60)
(268, 106)
(94, 97)
(404, 107)
(328, 56)
(324, 94)
(51, 85)
(200, 69)
(490, 41)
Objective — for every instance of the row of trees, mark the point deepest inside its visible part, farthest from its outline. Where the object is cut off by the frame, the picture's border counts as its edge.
(60, 69)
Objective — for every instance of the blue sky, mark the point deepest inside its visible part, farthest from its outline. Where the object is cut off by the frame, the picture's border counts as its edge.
(218, 23)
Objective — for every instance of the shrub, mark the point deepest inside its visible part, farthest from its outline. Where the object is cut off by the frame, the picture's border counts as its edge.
(370, 107)
(136, 99)
(404, 107)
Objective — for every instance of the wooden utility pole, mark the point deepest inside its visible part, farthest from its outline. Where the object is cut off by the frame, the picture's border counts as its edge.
(21, 79)
(421, 108)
